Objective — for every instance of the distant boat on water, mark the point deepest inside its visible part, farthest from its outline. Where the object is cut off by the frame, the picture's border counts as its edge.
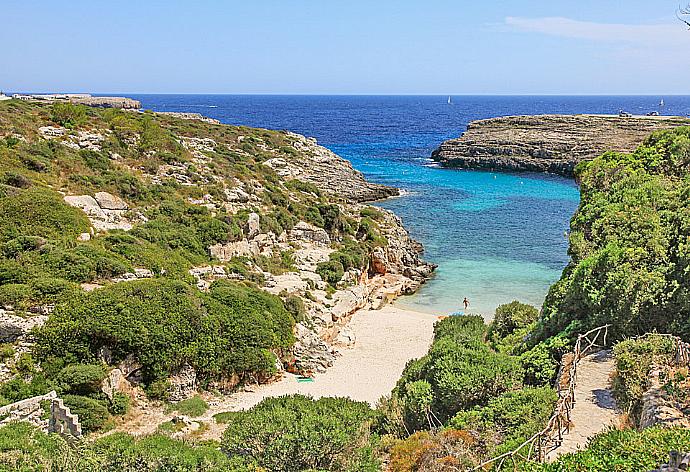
(661, 103)
(450, 100)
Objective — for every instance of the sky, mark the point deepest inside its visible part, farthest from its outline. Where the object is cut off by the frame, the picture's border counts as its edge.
(345, 46)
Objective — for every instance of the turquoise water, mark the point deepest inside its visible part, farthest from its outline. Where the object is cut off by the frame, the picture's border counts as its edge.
(495, 237)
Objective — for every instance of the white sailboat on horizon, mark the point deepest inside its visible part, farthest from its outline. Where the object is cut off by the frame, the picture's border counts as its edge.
(661, 103)
(450, 101)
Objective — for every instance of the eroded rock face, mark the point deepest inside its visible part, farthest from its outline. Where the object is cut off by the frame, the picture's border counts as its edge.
(547, 143)
(305, 232)
(312, 354)
(182, 384)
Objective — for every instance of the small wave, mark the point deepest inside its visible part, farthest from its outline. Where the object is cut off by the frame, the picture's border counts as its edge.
(213, 106)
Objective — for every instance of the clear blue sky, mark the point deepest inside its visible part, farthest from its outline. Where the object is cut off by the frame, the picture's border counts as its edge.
(345, 46)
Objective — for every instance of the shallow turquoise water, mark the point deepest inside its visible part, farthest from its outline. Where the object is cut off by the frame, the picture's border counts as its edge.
(496, 237)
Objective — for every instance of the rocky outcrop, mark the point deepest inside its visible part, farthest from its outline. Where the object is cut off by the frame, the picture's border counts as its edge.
(182, 384)
(189, 116)
(13, 327)
(305, 232)
(105, 211)
(547, 143)
(328, 171)
(108, 102)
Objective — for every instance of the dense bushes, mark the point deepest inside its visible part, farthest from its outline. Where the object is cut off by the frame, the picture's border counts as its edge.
(25, 448)
(460, 371)
(634, 360)
(296, 433)
(165, 323)
(508, 420)
(39, 213)
(628, 243)
(625, 451)
(93, 414)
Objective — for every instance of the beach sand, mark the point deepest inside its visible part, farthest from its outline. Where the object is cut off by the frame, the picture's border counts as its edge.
(385, 340)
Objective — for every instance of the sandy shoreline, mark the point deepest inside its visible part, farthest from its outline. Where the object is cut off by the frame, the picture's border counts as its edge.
(385, 340)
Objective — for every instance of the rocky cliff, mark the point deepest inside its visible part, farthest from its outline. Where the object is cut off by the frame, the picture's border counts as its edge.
(547, 143)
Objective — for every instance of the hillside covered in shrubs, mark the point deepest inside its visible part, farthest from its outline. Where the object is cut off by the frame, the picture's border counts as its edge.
(130, 291)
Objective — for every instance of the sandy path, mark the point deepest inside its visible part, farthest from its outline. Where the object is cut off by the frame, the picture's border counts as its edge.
(385, 340)
(595, 408)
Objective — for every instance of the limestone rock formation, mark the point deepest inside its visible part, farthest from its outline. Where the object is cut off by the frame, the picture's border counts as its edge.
(13, 327)
(303, 231)
(312, 354)
(182, 384)
(328, 171)
(105, 212)
(109, 102)
(547, 143)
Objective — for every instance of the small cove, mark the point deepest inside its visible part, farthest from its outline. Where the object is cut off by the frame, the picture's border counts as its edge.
(495, 236)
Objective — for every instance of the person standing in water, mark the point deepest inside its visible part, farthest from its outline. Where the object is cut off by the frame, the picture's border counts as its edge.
(466, 302)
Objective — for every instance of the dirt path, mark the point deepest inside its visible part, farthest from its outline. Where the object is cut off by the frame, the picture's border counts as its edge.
(595, 408)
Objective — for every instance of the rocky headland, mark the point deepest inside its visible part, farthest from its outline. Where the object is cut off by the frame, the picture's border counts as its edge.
(547, 143)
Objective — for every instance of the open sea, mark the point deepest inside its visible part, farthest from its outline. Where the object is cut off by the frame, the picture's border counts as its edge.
(496, 237)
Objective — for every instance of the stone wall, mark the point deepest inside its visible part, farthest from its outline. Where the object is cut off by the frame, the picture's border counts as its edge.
(62, 421)
(658, 409)
(32, 410)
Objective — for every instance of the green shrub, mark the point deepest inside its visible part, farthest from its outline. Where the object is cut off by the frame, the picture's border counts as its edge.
(510, 419)
(80, 379)
(511, 317)
(18, 296)
(634, 360)
(165, 323)
(331, 271)
(19, 389)
(628, 245)
(68, 115)
(295, 306)
(459, 372)
(194, 406)
(6, 351)
(93, 415)
(26, 448)
(296, 433)
(38, 212)
(120, 404)
(624, 451)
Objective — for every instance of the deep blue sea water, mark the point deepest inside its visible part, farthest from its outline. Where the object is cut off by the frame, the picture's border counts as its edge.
(495, 236)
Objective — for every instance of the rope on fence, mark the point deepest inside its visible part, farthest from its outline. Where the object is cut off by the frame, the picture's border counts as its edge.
(537, 446)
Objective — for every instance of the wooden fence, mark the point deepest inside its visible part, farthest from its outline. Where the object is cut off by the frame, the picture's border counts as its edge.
(549, 438)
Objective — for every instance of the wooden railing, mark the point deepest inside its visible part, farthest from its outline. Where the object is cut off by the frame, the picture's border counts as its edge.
(549, 438)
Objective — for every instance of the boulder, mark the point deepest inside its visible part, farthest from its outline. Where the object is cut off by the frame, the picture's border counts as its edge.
(253, 226)
(109, 201)
(312, 354)
(303, 231)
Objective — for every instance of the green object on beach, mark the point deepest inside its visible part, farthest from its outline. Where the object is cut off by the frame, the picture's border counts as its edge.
(304, 379)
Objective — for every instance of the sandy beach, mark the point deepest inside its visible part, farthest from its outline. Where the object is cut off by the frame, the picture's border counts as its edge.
(386, 340)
